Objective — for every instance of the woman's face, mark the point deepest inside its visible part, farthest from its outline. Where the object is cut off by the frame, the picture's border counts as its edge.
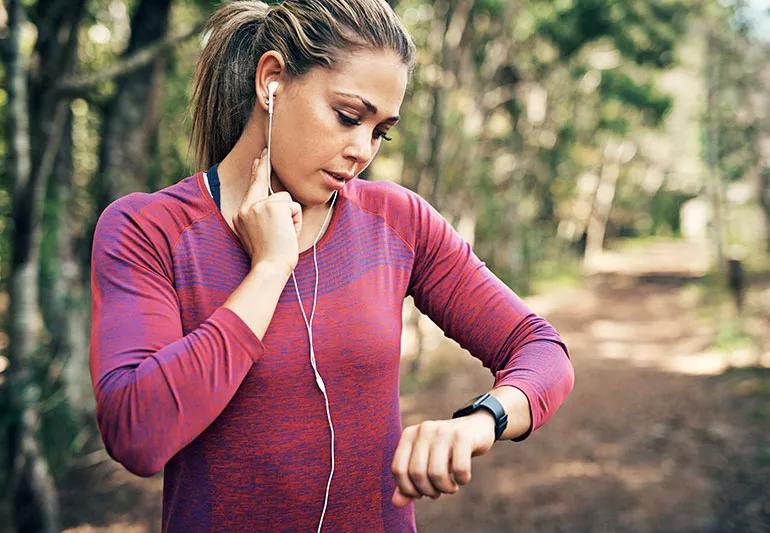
(320, 123)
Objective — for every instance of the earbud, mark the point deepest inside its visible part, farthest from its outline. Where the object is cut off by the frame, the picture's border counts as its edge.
(271, 88)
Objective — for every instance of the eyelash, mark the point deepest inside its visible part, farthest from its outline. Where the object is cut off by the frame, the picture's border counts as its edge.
(347, 121)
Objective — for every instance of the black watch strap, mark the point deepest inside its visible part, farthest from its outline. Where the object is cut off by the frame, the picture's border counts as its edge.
(491, 404)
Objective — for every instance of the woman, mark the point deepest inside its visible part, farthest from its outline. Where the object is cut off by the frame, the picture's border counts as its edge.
(203, 359)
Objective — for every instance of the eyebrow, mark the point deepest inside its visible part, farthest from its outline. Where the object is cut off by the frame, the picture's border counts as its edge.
(369, 106)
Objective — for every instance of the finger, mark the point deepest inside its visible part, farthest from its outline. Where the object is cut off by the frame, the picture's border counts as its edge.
(280, 196)
(399, 499)
(258, 187)
(438, 462)
(254, 192)
(418, 462)
(400, 465)
(264, 176)
(461, 461)
(296, 217)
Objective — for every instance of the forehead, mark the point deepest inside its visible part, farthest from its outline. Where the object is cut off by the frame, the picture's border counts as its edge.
(379, 77)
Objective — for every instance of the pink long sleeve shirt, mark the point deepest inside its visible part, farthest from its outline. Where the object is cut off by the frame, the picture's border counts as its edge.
(238, 423)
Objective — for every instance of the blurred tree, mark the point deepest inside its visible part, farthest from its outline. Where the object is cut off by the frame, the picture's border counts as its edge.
(35, 121)
(735, 120)
(48, 347)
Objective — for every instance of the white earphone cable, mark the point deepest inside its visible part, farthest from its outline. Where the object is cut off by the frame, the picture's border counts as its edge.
(269, 143)
(308, 324)
(319, 380)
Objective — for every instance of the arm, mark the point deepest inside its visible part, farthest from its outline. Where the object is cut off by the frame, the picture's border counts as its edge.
(472, 306)
(157, 390)
(516, 405)
(267, 281)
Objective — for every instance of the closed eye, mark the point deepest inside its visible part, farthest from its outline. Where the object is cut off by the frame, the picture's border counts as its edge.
(350, 122)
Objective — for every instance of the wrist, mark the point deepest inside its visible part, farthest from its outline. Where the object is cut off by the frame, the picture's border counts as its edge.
(490, 405)
(483, 417)
(481, 425)
(271, 269)
(516, 405)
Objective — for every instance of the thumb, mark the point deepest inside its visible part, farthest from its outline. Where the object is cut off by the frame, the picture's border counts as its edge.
(258, 187)
(296, 217)
(399, 499)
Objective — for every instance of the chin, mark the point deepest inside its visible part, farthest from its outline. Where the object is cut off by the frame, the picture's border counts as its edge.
(306, 195)
(309, 198)
(321, 201)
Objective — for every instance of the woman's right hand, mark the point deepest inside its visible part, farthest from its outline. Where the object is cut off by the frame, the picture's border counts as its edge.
(268, 225)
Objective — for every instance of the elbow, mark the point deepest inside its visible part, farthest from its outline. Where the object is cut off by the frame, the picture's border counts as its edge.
(135, 461)
(563, 372)
(562, 385)
(569, 377)
(143, 470)
(554, 394)
(125, 445)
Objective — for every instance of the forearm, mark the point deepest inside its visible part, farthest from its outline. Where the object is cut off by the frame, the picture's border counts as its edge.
(256, 298)
(148, 411)
(516, 407)
(532, 387)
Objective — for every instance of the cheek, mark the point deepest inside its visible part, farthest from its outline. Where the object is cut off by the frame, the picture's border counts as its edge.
(303, 141)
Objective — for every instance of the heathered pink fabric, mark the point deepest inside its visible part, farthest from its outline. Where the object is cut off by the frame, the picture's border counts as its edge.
(239, 424)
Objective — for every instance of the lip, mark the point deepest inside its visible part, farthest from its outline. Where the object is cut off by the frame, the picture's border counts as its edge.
(332, 182)
(346, 177)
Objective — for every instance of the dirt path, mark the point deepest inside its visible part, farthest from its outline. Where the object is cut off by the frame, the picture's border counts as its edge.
(655, 437)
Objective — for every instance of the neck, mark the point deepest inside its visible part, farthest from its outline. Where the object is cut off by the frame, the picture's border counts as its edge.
(235, 169)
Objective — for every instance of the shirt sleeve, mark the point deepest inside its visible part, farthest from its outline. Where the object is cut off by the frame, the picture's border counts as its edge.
(471, 305)
(155, 388)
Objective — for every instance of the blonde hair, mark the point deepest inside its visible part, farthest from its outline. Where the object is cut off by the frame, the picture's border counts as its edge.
(307, 33)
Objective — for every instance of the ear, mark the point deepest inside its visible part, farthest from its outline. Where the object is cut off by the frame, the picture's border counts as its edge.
(270, 69)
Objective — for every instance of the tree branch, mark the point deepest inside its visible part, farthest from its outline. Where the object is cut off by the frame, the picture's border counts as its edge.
(77, 85)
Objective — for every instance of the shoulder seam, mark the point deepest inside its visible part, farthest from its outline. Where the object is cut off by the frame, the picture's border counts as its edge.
(176, 241)
(411, 248)
(188, 226)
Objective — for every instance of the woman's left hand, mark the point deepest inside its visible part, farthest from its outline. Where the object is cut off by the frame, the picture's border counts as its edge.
(434, 457)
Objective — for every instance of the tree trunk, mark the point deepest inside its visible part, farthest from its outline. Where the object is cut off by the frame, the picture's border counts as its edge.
(714, 182)
(602, 205)
(31, 489)
(132, 112)
(764, 201)
(762, 151)
(65, 303)
(36, 122)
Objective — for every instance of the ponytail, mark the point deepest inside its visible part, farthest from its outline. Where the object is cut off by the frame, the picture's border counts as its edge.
(223, 94)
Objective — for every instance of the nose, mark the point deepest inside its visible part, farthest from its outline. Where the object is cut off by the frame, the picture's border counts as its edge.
(360, 147)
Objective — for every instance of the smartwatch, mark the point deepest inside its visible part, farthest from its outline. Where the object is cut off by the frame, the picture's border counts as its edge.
(491, 404)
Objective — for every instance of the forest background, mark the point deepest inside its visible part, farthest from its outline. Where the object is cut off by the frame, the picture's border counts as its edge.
(572, 142)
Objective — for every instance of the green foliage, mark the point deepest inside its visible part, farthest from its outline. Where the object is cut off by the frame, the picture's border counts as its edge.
(645, 32)
(665, 207)
(731, 335)
(640, 96)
